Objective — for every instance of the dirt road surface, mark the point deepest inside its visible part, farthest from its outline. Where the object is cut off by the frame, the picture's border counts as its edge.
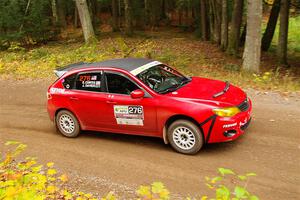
(101, 162)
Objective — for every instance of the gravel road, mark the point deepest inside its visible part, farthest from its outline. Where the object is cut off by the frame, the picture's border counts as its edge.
(100, 162)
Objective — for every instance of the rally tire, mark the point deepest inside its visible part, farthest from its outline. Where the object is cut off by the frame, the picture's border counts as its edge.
(185, 137)
(67, 124)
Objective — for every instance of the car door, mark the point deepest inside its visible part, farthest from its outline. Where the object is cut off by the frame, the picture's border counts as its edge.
(128, 115)
(88, 100)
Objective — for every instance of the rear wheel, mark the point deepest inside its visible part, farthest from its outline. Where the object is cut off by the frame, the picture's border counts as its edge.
(185, 137)
(67, 124)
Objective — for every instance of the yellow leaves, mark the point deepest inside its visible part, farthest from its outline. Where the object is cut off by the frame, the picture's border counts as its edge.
(50, 164)
(51, 189)
(31, 182)
(51, 172)
(36, 169)
(7, 160)
(67, 195)
(30, 164)
(156, 191)
(11, 143)
(109, 196)
(144, 191)
(209, 186)
(157, 187)
(63, 178)
(2, 67)
(204, 197)
(11, 191)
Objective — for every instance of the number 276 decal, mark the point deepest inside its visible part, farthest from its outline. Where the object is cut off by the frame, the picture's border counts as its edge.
(135, 109)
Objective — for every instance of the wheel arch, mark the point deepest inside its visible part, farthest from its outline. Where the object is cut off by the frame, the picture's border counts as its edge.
(172, 119)
(60, 109)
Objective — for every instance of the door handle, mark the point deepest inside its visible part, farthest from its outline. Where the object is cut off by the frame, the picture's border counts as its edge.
(111, 102)
(74, 98)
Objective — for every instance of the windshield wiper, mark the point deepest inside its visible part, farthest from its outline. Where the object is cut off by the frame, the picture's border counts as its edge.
(187, 80)
(175, 87)
(170, 89)
(227, 84)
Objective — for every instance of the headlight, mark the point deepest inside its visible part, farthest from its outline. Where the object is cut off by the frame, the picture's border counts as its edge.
(226, 112)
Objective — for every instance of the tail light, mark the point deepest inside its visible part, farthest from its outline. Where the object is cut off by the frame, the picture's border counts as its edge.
(49, 96)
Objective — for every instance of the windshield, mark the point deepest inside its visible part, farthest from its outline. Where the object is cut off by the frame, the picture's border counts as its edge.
(163, 79)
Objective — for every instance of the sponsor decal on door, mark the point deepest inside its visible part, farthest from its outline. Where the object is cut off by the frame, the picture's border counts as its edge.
(129, 115)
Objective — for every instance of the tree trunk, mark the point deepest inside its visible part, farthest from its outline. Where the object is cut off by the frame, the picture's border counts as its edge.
(217, 18)
(85, 19)
(252, 51)
(163, 14)
(243, 36)
(128, 17)
(61, 8)
(75, 17)
(120, 13)
(54, 12)
(269, 32)
(211, 20)
(147, 12)
(114, 5)
(234, 33)
(180, 17)
(204, 25)
(283, 31)
(93, 10)
(25, 14)
(224, 25)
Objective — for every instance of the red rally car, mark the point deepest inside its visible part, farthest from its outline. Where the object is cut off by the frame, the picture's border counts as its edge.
(146, 97)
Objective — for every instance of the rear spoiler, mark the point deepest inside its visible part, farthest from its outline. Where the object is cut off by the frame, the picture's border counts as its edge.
(59, 72)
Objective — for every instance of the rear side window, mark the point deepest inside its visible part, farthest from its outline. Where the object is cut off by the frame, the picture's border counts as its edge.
(69, 81)
(119, 84)
(89, 81)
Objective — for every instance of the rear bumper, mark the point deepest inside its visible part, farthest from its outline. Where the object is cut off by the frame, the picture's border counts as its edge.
(51, 110)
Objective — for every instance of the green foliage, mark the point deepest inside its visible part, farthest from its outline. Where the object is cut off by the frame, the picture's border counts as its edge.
(29, 180)
(24, 24)
(293, 36)
(227, 192)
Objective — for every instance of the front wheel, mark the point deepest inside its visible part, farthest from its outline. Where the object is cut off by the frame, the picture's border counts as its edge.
(67, 124)
(185, 137)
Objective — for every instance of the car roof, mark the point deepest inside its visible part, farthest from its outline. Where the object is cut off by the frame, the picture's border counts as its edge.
(128, 64)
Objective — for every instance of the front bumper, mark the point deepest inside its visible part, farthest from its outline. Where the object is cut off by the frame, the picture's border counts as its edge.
(229, 128)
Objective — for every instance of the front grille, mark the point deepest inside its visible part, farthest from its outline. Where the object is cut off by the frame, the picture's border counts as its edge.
(244, 106)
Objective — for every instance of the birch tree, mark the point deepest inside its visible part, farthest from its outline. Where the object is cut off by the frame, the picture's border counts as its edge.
(252, 51)
(85, 20)
(224, 25)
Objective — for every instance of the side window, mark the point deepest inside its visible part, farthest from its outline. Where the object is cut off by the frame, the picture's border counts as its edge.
(119, 84)
(69, 82)
(89, 81)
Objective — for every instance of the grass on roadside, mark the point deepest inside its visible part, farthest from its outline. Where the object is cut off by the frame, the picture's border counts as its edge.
(191, 56)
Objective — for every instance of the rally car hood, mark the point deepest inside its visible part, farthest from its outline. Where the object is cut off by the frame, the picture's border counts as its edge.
(211, 90)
